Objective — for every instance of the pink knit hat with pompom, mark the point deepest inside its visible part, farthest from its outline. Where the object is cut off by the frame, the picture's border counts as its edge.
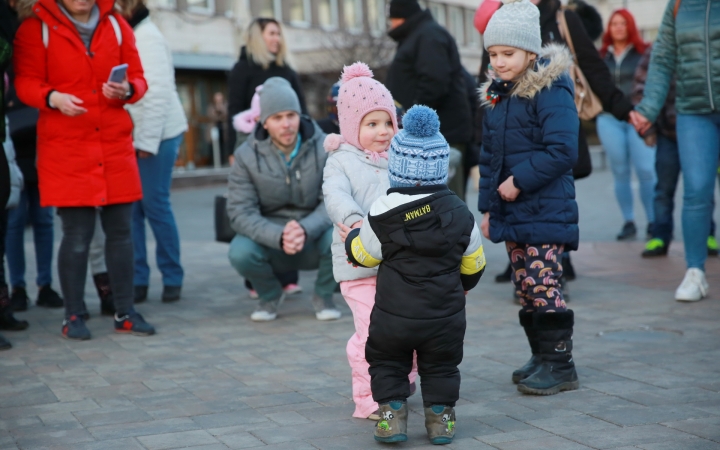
(361, 94)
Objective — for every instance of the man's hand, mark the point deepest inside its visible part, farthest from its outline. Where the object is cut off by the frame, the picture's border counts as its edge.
(345, 230)
(67, 104)
(485, 225)
(508, 191)
(640, 122)
(142, 154)
(293, 238)
(116, 91)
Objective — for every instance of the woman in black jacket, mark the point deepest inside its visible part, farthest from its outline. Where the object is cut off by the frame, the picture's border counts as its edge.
(263, 56)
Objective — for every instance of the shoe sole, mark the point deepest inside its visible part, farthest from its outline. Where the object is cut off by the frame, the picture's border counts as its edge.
(134, 333)
(69, 338)
(689, 300)
(6, 347)
(394, 438)
(17, 328)
(442, 440)
(568, 386)
(170, 299)
(257, 319)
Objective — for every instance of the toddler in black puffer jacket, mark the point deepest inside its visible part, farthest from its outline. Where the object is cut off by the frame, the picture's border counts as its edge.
(430, 253)
(527, 192)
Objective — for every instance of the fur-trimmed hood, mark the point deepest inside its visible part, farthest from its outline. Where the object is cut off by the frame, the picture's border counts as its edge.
(555, 60)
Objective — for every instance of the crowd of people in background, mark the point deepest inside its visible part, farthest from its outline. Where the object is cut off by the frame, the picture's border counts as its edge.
(379, 181)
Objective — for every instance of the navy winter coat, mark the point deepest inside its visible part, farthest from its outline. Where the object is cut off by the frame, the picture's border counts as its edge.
(531, 132)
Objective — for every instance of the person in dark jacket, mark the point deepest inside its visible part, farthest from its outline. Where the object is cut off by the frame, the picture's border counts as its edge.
(527, 191)
(263, 56)
(622, 49)
(430, 252)
(427, 70)
(331, 124)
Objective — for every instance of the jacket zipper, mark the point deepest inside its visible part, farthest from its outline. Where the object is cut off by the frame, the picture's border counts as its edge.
(707, 54)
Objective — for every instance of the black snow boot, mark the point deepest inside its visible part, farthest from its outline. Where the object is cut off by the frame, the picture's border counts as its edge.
(7, 320)
(526, 321)
(557, 371)
(102, 284)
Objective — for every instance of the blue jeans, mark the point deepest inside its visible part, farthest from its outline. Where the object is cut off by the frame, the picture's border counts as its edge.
(625, 148)
(258, 263)
(699, 148)
(29, 210)
(667, 166)
(156, 176)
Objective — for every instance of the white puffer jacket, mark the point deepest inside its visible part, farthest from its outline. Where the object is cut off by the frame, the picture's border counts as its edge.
(351, 183)
(159, 115)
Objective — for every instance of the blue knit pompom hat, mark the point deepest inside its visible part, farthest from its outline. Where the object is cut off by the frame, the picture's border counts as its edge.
(419, 155)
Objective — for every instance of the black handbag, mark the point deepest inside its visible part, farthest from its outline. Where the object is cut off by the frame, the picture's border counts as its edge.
(223, 230)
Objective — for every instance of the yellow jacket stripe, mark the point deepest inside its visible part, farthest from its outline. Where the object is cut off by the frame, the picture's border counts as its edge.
(473, 263)
(361, 255)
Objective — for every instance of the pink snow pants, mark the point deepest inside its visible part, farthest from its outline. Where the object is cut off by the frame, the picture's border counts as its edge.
(360, 297)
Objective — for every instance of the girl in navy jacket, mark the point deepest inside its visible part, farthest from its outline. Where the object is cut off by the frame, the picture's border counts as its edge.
(527, 194)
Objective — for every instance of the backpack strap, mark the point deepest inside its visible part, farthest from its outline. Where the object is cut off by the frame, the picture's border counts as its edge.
(113, 22)
(677, 7)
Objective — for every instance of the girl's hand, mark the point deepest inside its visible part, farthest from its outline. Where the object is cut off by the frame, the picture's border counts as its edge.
(485, 225)
(640, 123)
(116, 91)
(345, 230)
(508, 191)
(67, 104)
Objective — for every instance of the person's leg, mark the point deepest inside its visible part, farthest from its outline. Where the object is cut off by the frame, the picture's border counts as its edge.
(613, 137)
(142, 270)
(97, 248)
(43, 235)
(7, 320)
(325, 282)
(156, 176)
(667, 167)
(699, 148)
(516, 254)
(78, 225)
(117, 223)
(252, 261)
(543, 278)
(643, 159)
(15, 241)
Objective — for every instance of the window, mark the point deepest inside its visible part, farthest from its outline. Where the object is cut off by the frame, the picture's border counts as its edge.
(299, 12)
(327, 12)
(163, 4)
(266, 8)
(377, 15)
(472, 37)
(456, 24)
(438, 12)
(201, 6)
(353, 15)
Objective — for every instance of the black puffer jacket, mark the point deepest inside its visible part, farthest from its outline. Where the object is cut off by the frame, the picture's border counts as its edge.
(624, 73)
(427, 70)
(244, 77)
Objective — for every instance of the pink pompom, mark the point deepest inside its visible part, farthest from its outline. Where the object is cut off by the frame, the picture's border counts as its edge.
(359, 69)
(333, 142)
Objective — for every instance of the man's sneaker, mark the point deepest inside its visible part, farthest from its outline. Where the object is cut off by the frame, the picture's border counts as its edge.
(140, 294)
(74, 328)
(19, 299)
(252, 293)
(440, 424)
(693, 287)
(629, 231)
(712, 246)
(171, 294)
(325, 309)
(107, 301)
(655, 247)
(292, 288)
(392, 426)
(133, 323)
(266, 311)
(4, 343)
(48, 298)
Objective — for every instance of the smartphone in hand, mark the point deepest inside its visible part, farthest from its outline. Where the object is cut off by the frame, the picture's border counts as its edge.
(117, 74)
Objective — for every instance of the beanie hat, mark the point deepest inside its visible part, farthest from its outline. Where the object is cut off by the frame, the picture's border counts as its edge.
(419, 155)
(402, 9)
(277, 95)
(359, 95)
(515, 24)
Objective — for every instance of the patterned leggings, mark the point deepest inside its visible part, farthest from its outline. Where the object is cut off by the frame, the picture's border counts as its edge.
(536, 276)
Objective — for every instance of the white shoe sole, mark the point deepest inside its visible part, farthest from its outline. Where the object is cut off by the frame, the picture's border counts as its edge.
(262, 316)
(328, 314)
(688, 299)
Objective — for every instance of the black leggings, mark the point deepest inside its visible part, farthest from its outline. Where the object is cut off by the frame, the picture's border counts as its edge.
(78, 226)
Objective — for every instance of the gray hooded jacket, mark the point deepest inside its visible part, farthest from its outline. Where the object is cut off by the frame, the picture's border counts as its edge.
(264, 194)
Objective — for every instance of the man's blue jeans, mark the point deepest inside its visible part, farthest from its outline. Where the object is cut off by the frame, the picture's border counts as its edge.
(667, 166)
(156, 176)
(29, 210)
(258, 263)
(626, 149)
(699, 148)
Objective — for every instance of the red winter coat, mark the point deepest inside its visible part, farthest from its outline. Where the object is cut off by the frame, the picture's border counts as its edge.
(87, 160)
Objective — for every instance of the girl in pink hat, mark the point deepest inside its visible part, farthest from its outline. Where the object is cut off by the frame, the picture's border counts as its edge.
(355, 176)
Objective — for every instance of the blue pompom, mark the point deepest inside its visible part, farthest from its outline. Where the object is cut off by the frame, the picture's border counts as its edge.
(421, 121)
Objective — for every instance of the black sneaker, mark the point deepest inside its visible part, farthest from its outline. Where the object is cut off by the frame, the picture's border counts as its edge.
(19, 299)
(133, 323)
(4, 343)
(74, 328)
(629, 231)
(171, 294)
(140, 293)
(7, 320)
(48, 298)
(504, 277)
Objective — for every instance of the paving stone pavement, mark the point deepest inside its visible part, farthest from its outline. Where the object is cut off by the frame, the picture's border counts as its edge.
(212, 379)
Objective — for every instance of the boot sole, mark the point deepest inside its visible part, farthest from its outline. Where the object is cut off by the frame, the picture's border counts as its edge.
(393, 438)
(568, 386)
(442, 440)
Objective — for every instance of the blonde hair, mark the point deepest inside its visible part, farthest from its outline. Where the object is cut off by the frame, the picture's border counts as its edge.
(255, 44)
(127, 7)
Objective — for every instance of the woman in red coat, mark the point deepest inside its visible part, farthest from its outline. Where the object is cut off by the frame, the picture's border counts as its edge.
(64, 54)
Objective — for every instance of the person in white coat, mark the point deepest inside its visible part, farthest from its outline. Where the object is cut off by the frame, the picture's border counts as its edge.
(160, 124)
